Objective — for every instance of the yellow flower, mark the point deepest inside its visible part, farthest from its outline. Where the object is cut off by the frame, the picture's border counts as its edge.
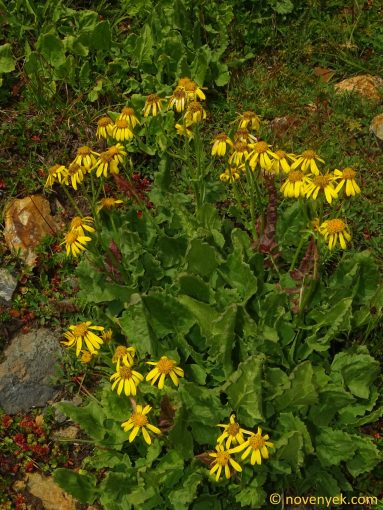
(83, 333)
(194, 113)
(127, 379)
(56, 172)
(104, 127)
(334, 231)
(257, 445)
(178, 99)
(86, 357)
(294, 185)
(193, 91)
(243, 135)
(223, 460)
(76, 175)
(107, 336)
(347, 175)
(139, 421)
(230, 175)
(232, 433)
(108, 203)
(117, 152)
(306, 161)
(261, 154)
(85, 157)
(184, 131)
(82, 224)
(280, 163)
(240, 153)
(321, 183)
(75, 243)
(249, 118)
(123, 355)
(164, 367)
(220, 143)
(106, 163)
(122, 130)
(152, 105)
(129, 115)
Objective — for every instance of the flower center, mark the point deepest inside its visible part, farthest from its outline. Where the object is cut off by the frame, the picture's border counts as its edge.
(248, 115)
(322, 181)
(295, 176)
(83, 151)
(114, 150)
(222, 458)
(152, 98)
(261, 147)
(125, 372)
(195, 107)
(127, 111)
(107, 202)
(76, 222)
(349, 173)
(139, 420)
(309, 154)
(335, 226)
(184, 82)
(122, 123)
(179, 94)
(233, 429)
(106, 157)
(241, 147)
(165, 365)
(74, 169)
(53, 169)
(71, 237)
(120, 351)
(242, 133)
(222, 137)
(80, 329)
(281, 154)
(256, 441)
(104, 121)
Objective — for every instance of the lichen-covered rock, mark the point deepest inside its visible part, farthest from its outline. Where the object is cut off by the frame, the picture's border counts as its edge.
(365, 84)
(50, 494)
(8, 285)
(377, 126)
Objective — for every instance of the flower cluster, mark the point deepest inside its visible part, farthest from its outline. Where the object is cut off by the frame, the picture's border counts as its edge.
(254, 443)
(76, 238)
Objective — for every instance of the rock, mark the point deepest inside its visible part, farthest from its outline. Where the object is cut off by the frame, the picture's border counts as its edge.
(366, 85)
(377, 126)
(8, 285)
(280, 125)
(25, 373)
(50, 494)
(70, 432)
(27, 221)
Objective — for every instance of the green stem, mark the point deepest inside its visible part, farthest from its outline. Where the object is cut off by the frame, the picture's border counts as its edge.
(73, 203)
(297, 252)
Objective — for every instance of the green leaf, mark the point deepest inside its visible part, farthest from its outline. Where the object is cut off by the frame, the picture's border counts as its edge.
(244, 390)
(223, 338)
(366, 458)
(288, 422)
(167, 315)
(144, 46)
(290, 449)
(201, 258)
(204, 313)
(89, 417)
(334, 446)
(302, 391)
(101, 38)
(7, 62)
(193, 286)
(52, 48)
(252, 495)
(134, 325)
(81, 487)
(182, 497)
(238, 275)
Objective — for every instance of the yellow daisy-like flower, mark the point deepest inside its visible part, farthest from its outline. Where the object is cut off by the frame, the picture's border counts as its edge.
(281, 162)
(193, 91)
(152, 105)
(294, 185)
(82, 224)
(257, 445)
(130, 116)
(261, 154)
(122, 130)
(223, 461)
(347, 175)
(56, 172)
(123, 355)
(232, 433)
(244, 135)
(86, 357)
(108, 203)
(334, 231)
(178, 99)
(306, 161)
(194, 113)
(83, 333)
(104, 127)
(106, 163)
(230, 175)
(139, 421)
(86, 157)
(107, 336)
(117, 152)
(76, 174)
(240, 153)
(164, 367)
(321, 184)
(127, 379)
(249, 118)
(75, 243)
(184, 131)
(220, 144)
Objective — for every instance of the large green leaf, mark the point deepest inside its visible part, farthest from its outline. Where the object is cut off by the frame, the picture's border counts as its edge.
(201, 258)
(82, 487)
(52, 48)
(334, 446)
(302, 391)
(7, 61)
(181, 497)
(90, 417)
(167, 315)
(134, 324)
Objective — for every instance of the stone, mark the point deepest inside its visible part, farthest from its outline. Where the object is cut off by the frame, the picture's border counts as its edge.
(70, 432)
(8, 285)
(50, 494)
(29, 363)
(365, 84)
(280, 125)
(377, 126)
(27, 221)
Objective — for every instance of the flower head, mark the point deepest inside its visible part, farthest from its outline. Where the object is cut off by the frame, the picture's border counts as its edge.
(306, 161)
(194, 113)
(117, 152)
(178, 99)
(281, 162)
(104, 127)
(75, 242)
(86, 357)
(76, 174)
(193, 91)
(294, 185)
(257, 445)
(126, 379)
(184, 131)
(244, 135)
(347, 175)
(220, 144)
(129, 115)
(250, 119)
(82, 224)
(152, 105)
(231, 174)
(261, 155)
(123, 355)
(164, 367)
(85, 157)
(139, 422)
(56, 172)
(240, 153)
(106, 163)
(107, 336)
(334, 231)
(108, 203)
(321, 184)
(223, 461)
(232, 433)
(122, 130)
(82, 333)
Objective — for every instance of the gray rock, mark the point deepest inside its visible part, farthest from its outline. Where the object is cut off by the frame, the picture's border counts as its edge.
(8, 285)
(26, 371)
